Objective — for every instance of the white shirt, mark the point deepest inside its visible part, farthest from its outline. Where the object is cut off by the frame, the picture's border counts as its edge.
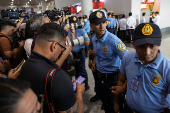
(131, 22)
(27, 46)
(122, 24)
(156, 20)
(143, 19)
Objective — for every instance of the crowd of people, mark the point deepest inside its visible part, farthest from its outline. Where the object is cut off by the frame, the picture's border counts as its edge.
(125, 82)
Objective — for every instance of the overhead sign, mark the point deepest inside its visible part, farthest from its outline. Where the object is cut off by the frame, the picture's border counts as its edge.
(147, 2)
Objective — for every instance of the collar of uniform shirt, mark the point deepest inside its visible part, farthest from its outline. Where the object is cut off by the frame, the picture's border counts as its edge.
(155, 64)
(103, 38)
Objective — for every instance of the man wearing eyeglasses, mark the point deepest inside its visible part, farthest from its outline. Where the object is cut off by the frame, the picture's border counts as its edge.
(79, 50)
(49, 43)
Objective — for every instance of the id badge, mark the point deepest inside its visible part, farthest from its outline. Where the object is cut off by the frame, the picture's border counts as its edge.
(134, 85)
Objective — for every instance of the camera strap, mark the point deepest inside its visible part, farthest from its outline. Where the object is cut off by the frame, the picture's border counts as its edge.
(48, 89)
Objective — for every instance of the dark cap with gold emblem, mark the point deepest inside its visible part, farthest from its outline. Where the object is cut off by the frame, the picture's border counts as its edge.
(147, 33)
(73, 19)
(84, 16)
(97, 17)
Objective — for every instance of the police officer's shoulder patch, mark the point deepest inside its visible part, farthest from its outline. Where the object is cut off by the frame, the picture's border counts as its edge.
(86, 35)
(122, 46)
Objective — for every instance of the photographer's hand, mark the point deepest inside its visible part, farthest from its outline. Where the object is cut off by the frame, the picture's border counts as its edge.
(14, 74)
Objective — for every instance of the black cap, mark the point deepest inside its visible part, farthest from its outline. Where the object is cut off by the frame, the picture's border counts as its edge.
(97, 17)
(147, 33)
(84, 16)
(109, 13)
(73, 19)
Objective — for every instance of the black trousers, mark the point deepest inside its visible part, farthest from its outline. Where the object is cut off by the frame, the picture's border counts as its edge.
(130, 32)
(123, 35)
(102, 87)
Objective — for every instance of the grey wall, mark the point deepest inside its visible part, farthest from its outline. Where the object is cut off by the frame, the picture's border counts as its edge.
(118, 6)
(165, 14)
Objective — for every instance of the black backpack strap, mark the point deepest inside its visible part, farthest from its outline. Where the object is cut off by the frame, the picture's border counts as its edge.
(7, 38)
(48, 89)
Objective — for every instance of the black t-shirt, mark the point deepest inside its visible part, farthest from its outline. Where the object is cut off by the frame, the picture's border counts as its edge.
(35, 71)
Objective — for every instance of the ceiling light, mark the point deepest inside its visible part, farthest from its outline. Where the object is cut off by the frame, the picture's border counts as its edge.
(28, 2)
(11, 4)
(12, 0)
(45, 0)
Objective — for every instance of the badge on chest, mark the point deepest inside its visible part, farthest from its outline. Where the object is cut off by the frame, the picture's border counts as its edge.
(105, 49)
(135, 83)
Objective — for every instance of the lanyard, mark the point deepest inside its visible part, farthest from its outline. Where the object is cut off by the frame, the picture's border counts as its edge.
(137, 77)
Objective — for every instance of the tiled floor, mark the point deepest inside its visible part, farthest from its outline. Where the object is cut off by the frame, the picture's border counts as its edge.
(95, 107)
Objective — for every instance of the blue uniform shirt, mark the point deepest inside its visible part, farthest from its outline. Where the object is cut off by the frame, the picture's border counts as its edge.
(87, 26)
(154, 84)
(78, 33)
(115, 22)
(110, 22)
(109, 51)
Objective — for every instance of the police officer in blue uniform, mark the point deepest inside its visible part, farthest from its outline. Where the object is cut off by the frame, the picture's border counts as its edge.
(116, 26)
(79, 50)
(110, 25)
(109, 51)
(86, 27)
(147, 73)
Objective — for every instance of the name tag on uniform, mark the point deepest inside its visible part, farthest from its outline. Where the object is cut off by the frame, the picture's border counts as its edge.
(134, 85)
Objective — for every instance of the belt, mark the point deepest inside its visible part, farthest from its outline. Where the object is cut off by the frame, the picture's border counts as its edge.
(114, 75)
(81, 52)
(110, 27)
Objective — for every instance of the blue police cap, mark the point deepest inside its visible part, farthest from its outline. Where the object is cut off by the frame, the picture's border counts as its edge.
(97, 17)
(147, 33)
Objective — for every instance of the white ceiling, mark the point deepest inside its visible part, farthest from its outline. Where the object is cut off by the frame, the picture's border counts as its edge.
(20, 2)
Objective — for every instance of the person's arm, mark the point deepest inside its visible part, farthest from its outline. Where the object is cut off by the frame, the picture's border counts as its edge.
(86, 38)
(78, 107)
(17, 51)
(86, 43)
(93, 67)
(121, 83)
(18, 24)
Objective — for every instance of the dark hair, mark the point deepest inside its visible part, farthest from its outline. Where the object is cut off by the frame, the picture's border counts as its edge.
(29, 33)
(50, 31)
(53, 19)
(123, 16)
(143, 14)
(3, 24)
(12, 91)
(157, 12)
(130, 14)
(153, 12)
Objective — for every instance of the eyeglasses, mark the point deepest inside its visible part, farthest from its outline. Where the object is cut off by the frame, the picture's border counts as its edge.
(58, 44)
(41, 100)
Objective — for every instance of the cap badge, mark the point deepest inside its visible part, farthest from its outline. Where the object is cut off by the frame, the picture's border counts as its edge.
(147, 29)
(74, 18)
(99, 15)
(156, 79)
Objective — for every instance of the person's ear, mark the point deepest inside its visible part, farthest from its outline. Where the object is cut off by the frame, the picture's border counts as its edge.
(53, 46)
(133, 44)
(91, 26)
